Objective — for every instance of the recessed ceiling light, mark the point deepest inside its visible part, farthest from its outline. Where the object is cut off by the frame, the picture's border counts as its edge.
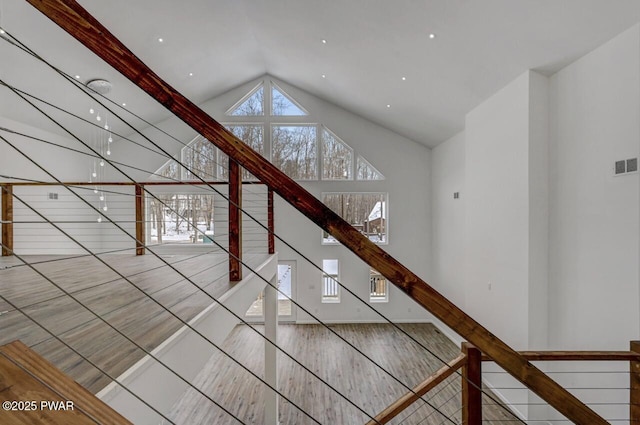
(2, 31)
(404, 78)
(432, 36)
(160, 40)
(77, 77)
(324, 76)
(191, 74)
(124, 104)
(388, 106)
(324, 41)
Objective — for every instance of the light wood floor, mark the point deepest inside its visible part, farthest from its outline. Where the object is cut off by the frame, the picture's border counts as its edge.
(103, 291)
(323, 353)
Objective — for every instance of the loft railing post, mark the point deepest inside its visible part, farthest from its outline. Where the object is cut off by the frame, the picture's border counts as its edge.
(634, 387)
(235, 221)
(7, 220)
(270, 223)
(140, 222)
(471, 386)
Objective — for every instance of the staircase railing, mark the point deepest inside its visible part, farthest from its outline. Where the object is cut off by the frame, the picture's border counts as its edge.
(85, 28)
(234, 205)
(27, 375)
(470, 362)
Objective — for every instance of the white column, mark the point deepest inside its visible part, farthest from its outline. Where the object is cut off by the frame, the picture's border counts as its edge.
(270, 301)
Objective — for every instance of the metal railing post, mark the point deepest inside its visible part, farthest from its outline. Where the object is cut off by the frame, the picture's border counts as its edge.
(140, 221)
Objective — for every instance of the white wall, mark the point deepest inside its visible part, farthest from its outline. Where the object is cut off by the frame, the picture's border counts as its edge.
(589, 113)
(500, 212)
(76, 229)
(593, 250)
(594, 216)
(65, 165)
(538, 187)
(448, 218)
(32, 235)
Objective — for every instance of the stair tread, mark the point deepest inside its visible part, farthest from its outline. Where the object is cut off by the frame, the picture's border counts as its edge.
(26, 376)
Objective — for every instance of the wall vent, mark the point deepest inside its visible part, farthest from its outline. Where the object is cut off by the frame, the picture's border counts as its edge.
(53, 195)
(625, 166)
(456, 195)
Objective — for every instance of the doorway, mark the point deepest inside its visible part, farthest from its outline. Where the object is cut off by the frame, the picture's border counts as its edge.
(286, 275)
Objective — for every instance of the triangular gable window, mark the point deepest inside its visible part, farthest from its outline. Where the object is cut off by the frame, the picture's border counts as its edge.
(366, 171)
(250, 105)
(283, 105)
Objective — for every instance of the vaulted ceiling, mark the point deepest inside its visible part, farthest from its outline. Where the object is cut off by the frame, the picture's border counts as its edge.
(376, 58)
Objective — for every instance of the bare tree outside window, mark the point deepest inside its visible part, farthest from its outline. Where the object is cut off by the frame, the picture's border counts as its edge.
(169, 171)
(365, 171)
(253, 136)
(367, 212)
(337, 158)
(199, 158)
(294, 151)
(181, 218)
(253, 105)
(283, 105)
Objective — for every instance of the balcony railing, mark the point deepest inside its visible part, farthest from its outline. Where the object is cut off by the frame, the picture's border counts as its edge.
(79, 23)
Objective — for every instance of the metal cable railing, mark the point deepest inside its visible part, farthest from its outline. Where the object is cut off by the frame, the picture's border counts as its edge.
(260, 230)
(35, 210)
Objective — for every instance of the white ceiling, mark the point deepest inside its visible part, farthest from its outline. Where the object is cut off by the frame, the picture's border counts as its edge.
(480, 46)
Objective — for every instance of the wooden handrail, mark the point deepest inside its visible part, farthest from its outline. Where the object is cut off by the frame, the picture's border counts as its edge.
(563, 356)
(418, 391)
(74, 19)
(147, 183)
(27, 376)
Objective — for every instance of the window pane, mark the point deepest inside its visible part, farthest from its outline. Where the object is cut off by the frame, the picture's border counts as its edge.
(180, 218)
(199, 158)
(378, 287)
(330, 287)
(281, 104)
(252, 106)
(294, 151)
(285, 290)
(252, 135)
(367, 212)
(169, 171)
(337, 158)
(366, 171)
